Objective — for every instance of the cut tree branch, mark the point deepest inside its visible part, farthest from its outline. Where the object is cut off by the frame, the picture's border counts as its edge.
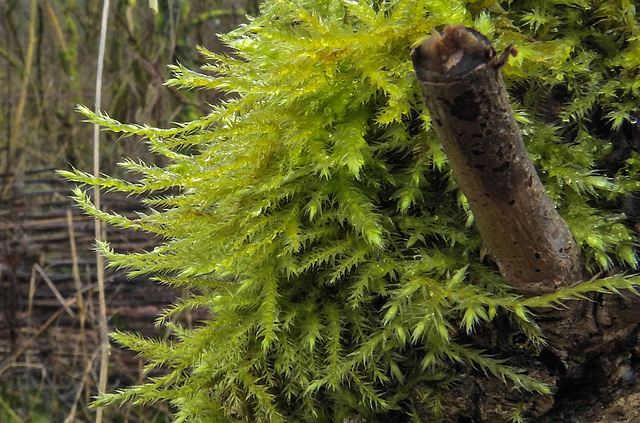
(459, 73)
(589, 343)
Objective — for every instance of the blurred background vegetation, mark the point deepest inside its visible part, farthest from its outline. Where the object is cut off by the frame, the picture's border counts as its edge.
(49, 61)
(48, 64)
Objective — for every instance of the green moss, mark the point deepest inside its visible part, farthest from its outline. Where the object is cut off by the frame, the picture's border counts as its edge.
(316, 214)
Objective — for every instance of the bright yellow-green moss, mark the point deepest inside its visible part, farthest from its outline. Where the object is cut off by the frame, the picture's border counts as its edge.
(316, 214)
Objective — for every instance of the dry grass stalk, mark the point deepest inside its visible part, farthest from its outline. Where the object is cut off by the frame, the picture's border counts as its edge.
(15, 138)
(99, 233)
(78, 283)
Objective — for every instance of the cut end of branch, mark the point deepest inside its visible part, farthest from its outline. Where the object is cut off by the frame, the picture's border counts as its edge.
(457, 51)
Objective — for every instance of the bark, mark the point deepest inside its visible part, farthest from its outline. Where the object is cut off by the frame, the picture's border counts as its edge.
(459, 73)
(592, 353)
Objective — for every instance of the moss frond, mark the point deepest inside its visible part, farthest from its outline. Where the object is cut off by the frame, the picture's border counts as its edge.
(316, 214)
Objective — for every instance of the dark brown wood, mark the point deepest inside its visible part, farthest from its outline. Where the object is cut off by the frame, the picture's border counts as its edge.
(459, 73)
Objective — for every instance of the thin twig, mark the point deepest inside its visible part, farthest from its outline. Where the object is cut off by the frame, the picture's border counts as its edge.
(78, 283)
(32, 293)
(53, 288)
(89, 364)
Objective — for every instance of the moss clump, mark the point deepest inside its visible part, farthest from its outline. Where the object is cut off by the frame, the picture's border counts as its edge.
(316, 215)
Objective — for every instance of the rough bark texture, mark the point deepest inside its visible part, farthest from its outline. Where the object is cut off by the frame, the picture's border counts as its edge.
(592, 355)
(459, 73)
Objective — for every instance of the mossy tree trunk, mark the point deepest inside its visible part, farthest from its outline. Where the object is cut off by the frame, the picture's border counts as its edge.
(459, 73)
